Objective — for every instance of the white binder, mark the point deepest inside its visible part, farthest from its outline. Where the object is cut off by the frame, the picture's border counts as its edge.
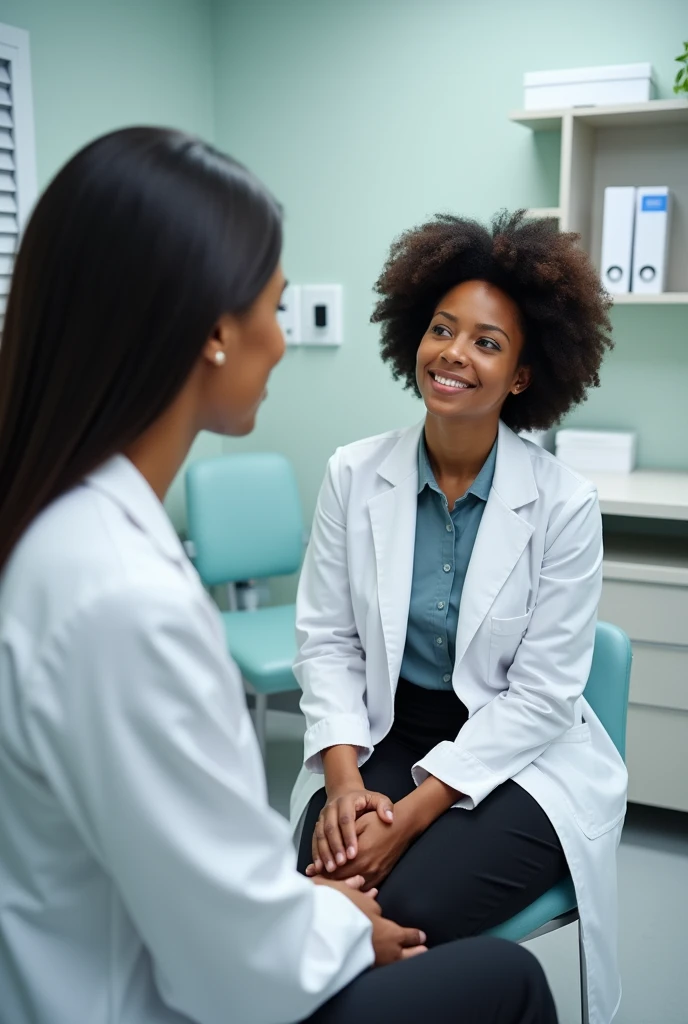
(617, 238)
(651, 241)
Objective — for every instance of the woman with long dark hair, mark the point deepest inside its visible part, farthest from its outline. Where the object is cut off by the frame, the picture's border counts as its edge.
(143, 877)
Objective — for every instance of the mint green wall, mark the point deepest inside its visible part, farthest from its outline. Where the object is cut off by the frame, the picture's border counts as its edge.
(103, 64)
(366, 116)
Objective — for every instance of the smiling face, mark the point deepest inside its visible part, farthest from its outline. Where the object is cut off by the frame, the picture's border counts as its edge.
(469, 358)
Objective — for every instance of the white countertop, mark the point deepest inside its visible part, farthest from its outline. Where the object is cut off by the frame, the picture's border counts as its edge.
(646, 493)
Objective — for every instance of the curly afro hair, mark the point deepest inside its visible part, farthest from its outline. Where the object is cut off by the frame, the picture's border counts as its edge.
(563, 307)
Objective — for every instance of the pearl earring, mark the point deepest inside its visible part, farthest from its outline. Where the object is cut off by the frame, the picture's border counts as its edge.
(220, 358)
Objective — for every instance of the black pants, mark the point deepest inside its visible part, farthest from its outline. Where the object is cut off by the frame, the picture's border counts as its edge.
(473, 981)
(471, 870)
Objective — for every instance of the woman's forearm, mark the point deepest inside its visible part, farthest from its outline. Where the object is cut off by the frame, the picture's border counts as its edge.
(341, 768)
(425, 804)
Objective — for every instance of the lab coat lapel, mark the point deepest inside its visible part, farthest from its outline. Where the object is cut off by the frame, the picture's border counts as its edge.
(120, 481)
(393, 522)
(502, 536)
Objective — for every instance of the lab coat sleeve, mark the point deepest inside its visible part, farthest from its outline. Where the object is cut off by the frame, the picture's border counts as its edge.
(148, 743)
(549, 671)
(330, 665)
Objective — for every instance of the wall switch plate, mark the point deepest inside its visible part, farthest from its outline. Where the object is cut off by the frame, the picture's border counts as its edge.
(289, 318)
(321, 314)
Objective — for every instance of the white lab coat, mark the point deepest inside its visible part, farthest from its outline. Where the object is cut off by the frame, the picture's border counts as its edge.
(523, 652)
(143, 877)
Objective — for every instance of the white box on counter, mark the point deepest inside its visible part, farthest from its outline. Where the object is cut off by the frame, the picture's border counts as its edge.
(610, 84)
(597, 451)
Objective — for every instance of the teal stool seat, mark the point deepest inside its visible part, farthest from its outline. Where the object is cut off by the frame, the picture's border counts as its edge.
(245, 524)
(557, 902)
(263, 644)
(607, 693)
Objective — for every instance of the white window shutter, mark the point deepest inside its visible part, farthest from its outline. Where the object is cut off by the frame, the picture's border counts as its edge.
(17, 150)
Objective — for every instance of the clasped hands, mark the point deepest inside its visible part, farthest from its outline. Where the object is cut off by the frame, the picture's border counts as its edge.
(360, 832)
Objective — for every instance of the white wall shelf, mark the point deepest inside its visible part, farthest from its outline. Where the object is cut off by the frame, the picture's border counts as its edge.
(634, 144)
(652, 113)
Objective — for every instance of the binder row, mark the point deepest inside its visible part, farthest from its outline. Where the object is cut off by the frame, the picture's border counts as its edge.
(635, 238)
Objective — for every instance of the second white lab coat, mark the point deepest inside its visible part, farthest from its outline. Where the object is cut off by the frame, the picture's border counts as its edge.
(143, 877)
(523, 653)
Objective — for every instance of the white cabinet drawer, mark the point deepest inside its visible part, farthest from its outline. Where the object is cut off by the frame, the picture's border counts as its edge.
(657, 741)
(647, 611)
(659, 677)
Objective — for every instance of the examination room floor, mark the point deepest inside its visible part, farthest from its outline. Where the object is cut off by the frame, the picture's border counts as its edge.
(653, 879)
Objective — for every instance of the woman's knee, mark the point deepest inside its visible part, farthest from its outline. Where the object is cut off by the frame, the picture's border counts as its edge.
(412, 907)
(442, 915)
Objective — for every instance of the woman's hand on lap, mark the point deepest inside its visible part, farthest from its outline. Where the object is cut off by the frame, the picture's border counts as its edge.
(379, 847)
(335, 839)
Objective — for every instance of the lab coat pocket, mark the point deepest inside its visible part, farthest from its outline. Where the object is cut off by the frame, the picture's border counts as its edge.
(505, 636)
(576, 734)
(507, 627)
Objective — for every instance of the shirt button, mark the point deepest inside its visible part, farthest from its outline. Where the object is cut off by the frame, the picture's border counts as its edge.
(440, 605)
(449, 527)
(438, 641)
(446, 677)
(447, 567)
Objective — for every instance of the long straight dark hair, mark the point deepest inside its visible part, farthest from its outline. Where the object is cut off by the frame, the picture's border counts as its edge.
(138, 246)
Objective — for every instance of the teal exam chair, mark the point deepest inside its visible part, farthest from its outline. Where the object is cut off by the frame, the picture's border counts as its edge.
(607, 694)
(245, 523)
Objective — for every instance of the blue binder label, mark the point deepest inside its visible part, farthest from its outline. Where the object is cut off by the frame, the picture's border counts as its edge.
(654, 204)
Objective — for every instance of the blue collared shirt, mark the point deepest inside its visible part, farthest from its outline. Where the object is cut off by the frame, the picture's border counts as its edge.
(444, 544)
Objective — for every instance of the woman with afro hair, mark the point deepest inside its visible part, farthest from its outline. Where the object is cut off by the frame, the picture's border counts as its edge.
(447, 606)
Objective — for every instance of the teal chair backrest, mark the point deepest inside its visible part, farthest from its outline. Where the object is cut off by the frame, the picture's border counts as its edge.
(609, 680)
(244, 517)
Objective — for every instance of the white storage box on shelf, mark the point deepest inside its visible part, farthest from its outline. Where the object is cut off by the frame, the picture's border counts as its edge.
(597, 451)
(584, 87)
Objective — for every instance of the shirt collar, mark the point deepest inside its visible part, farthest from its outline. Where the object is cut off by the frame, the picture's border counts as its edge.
(480, 487)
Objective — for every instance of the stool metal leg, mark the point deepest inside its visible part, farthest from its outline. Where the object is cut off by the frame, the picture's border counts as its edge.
(261, 716)
(585, 1018)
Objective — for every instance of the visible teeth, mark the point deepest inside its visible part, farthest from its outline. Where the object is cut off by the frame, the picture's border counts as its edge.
(450, 383)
